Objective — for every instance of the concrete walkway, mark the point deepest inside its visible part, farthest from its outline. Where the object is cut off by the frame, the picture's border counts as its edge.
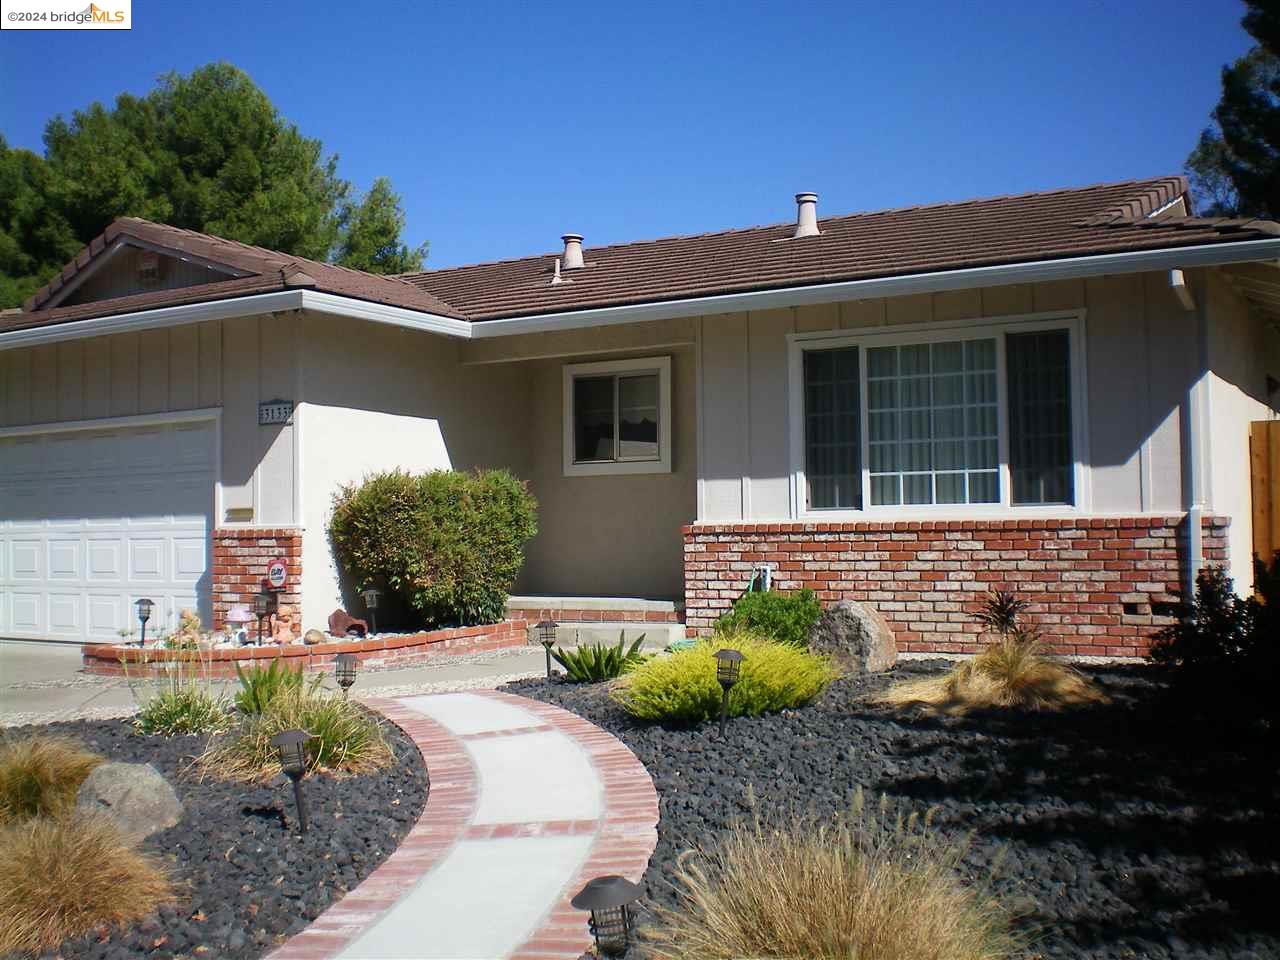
(527, 802)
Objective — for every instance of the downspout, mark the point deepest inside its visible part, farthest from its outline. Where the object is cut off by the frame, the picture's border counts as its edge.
(1197, 435)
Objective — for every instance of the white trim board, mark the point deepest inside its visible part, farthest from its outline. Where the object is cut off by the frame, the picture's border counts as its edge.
(1244, 251)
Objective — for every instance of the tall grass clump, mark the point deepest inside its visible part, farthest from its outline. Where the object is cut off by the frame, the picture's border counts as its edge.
(873, 885)
(181, 701)
(260, 685)
(345, 738)
(40, 775)
(682, 687)
(1015, 671)
(61, 877)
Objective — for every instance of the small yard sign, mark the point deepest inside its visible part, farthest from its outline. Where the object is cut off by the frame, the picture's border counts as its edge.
(273, 412)
(277, 573)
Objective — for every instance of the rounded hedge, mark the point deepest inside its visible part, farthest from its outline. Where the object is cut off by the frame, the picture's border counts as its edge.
(682, 687)
(450, 543)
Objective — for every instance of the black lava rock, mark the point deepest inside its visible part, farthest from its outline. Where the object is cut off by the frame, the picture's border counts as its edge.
(1127, 833)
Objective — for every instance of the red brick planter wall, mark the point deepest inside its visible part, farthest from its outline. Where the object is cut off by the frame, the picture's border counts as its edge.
(104, 658)
(1092, 582)
(240, 558)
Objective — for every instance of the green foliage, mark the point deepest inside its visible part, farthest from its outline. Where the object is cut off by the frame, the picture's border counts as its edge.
(682, 687)
(784, 617)
(450, 544)
(371, 234)
(345, 738)
(260, 685)
(40, 775)
(207, 151)
(1224, 638)
(598, 662)
(1234, 165)
(181, 710)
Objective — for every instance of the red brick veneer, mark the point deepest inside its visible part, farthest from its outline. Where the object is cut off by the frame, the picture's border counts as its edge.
(1091, 581)
(105, 658)
(240, 558)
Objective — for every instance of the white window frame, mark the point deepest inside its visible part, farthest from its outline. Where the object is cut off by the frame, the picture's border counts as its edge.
(659, 365)
(905, 334)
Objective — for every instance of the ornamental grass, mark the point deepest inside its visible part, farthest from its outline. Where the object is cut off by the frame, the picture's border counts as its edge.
(40, 775)
(64, 876)
(873, 885)
(346, 738)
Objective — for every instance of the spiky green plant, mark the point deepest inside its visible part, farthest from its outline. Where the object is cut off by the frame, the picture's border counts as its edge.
(597, 662)
(260, 685)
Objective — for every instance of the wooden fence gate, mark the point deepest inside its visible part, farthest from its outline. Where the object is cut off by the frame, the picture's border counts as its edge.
(1264, 468)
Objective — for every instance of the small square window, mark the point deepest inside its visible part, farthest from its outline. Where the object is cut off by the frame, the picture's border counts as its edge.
(618, 417)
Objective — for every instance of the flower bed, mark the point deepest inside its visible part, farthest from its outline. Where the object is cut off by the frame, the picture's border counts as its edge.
(246, 881)
(108, 659)
(1123, 834)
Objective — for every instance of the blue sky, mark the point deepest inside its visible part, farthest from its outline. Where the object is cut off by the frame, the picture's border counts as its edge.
(505, 125)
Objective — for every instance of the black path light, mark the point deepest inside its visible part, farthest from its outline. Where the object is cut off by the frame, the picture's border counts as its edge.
(371, 597)
(547, 637)
(144, 614)
(292, 748)
(728, 664)
(265, 603)
(610, 901)
(344, 669)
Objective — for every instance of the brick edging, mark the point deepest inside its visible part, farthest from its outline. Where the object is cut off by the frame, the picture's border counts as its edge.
(452, 798)
(625, 835)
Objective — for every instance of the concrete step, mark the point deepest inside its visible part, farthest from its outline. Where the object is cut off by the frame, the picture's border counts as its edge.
(656, 635)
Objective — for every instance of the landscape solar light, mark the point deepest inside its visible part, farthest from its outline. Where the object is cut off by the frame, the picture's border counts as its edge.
(728, 664)
(547, 637)
(610, 901)
(291, 745)
(144, 614)
(265, 603)
(371, 604)
(344, 670)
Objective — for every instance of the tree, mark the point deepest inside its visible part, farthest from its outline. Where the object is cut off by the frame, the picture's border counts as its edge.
(1236, 164)
(208, 152)
(371, 234)
(35, 240)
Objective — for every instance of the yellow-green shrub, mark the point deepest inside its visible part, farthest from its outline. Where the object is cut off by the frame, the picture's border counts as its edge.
(682, 687)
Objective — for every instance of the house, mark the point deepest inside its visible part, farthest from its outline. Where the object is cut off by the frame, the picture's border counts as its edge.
(1050, 392)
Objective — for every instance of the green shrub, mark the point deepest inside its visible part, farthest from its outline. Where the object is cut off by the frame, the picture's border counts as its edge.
(345, 738)
(682, 686)
(450, 544)
(183, 709)
(598, 662)
(40, 775)
(783, 617)
(260, 685)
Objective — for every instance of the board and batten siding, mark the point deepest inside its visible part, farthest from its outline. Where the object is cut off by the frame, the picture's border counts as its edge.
(1141, 360)
(228, 364)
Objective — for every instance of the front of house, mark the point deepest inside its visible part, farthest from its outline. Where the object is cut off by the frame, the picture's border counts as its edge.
(1050, 393)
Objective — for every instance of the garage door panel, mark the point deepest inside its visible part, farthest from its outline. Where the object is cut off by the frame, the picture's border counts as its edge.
(99, 520)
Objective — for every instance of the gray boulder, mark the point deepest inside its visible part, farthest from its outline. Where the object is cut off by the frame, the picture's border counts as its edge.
(133, 795)
(856, 637)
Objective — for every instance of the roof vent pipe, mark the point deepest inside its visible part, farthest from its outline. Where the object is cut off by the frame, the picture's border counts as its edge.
(806, 215)
(572, 251)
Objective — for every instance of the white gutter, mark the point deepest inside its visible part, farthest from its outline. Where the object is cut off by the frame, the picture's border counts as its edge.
(258, 303)
(1245, 251)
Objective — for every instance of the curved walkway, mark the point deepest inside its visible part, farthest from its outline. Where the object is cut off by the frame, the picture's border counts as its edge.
(527, 802)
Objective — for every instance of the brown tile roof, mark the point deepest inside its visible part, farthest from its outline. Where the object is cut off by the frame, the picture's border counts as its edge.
(1106, 218)
(266, 271)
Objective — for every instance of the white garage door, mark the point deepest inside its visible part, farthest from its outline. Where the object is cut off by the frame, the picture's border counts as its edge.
(92, 520)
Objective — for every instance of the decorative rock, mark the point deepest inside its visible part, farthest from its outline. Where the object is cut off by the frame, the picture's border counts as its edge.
(134, 795)
(313, 636)
(856, 638)
(342, 624)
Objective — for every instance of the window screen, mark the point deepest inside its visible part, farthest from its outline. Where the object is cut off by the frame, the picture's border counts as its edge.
(832, 428)
(1040, 455)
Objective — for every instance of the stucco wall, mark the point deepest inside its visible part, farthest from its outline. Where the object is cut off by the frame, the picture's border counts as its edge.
(1141, 359)
(1243, 350)
(231, 364)
(378, 398)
